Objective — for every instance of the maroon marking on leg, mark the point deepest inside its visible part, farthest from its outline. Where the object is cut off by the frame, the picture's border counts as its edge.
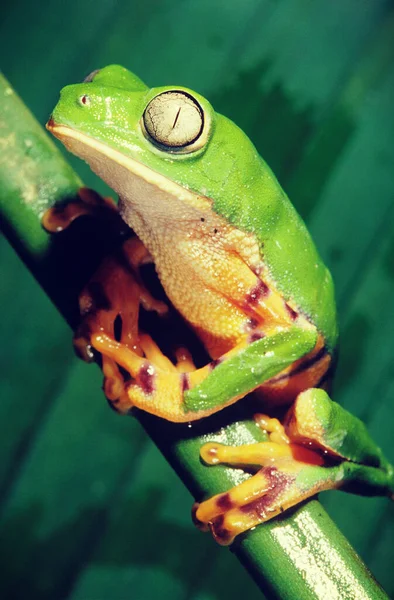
(278, 482)
(252, 323)
(257, 270)
(260, 290)
(224, 502)
(220, 533)
(214, 363)
(254, 337)
(185, 383)
(291, 312)
(146, 378)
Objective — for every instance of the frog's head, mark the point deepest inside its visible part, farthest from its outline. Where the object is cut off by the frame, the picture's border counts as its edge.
(115, 107)
(166, 136)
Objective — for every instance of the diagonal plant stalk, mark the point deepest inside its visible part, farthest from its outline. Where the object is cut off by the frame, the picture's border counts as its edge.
(300, 555)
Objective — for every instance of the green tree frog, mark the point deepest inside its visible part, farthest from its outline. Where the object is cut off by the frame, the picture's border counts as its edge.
(237, 262)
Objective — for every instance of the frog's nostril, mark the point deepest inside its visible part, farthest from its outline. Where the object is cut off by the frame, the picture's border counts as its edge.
(84, 100)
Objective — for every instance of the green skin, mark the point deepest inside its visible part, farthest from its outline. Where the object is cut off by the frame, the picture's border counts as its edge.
(228, 150)
(247, 197)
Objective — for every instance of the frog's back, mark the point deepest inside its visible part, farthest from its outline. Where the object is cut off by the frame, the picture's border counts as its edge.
(293, 262)
(298, 270)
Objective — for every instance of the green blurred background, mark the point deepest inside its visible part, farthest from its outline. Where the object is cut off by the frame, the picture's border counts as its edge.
(89, 509)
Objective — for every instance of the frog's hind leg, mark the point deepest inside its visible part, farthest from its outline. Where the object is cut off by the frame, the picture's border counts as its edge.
(244, 506)
(319, 446)
(266, 494)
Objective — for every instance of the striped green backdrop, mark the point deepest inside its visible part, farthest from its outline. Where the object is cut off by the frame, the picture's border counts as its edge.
(89, 509)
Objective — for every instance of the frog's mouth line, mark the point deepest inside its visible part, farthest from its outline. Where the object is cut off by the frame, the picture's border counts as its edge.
(93, 151)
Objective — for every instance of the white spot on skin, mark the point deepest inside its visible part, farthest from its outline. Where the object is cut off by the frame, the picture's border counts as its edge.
(7, 142)
(108, 111)
(278, 244)
(29, 193)
(150, 370)
(339, 476)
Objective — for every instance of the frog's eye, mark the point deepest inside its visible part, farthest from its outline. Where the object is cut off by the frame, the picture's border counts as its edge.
(89, 78)
(174, 121)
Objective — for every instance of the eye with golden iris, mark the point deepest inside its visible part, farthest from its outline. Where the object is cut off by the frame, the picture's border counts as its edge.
(174, 121)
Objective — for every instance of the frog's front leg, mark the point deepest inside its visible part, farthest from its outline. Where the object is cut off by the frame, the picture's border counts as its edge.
(180, 392)
(320, 446)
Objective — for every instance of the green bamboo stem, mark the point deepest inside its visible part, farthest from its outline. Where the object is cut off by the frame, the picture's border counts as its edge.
(301, 555)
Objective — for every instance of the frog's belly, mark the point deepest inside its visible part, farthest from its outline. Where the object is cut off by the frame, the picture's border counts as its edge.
(208, 270)
(216, 291)
(214, 294)
(210, 292)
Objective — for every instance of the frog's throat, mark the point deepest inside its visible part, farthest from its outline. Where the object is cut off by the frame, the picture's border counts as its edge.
(115, 168)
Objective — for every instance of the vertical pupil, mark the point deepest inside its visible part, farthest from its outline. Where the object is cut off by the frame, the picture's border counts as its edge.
(173, 119)
(84, 100)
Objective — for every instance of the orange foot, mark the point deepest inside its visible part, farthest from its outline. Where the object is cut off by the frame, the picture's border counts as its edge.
(266, 494)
